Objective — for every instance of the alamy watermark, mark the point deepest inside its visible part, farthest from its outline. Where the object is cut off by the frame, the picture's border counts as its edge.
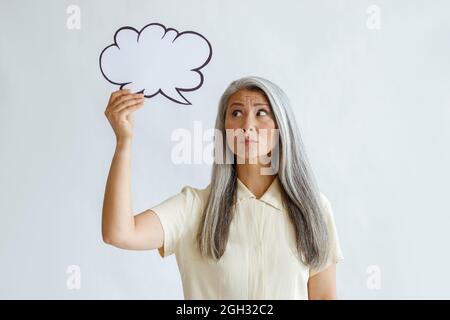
(232, 146)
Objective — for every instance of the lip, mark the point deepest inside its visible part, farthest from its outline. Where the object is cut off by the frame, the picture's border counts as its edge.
(248, 141)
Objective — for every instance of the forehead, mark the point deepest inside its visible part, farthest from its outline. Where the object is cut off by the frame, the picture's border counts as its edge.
(245, 95)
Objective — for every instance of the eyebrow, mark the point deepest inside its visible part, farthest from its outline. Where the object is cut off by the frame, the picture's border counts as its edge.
(255, 104)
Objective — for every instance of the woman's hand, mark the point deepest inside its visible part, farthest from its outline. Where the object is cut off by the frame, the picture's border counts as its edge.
(120, 226)
(119, 111)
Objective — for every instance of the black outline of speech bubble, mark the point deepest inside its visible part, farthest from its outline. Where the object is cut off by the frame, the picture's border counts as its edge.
(160, 91)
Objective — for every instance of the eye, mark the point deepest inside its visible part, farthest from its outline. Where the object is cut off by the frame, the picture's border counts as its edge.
(263, 111)
(235, 113)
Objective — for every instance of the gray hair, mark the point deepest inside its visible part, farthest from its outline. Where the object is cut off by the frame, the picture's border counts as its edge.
(300, 194)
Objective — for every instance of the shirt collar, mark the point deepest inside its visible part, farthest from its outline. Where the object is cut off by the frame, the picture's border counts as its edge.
(272, 196)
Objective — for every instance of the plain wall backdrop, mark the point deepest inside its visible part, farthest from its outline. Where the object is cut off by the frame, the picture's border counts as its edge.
(372, 105)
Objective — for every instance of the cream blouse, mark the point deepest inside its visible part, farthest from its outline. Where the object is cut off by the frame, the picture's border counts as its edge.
(259, 261)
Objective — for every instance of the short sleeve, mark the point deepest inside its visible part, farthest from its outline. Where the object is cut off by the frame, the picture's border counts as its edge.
(173, 213)
(335, 254)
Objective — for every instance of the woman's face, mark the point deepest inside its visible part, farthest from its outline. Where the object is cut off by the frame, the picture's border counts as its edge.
(250, 124)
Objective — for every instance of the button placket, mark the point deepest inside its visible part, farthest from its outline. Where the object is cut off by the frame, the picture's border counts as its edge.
(258, 217)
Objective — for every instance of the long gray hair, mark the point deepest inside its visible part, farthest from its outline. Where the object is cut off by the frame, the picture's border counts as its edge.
(300, 194)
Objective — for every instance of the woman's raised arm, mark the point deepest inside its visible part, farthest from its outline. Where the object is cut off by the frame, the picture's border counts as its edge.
(120, 227)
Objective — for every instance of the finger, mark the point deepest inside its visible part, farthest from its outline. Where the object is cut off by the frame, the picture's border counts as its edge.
(118, 93)
(126, 103)
(130, 109)
(122, 99)
(114, 96)
(127, 97)
(121, 94)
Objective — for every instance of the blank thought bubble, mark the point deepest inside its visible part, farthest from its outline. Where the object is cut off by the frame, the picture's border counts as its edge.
(156, 60)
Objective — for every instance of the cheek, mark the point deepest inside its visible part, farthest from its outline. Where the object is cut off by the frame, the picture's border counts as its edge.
(230, 123)
(266, 129)
(230, 140)
(233, 135)
(267, 122)
(268, 136)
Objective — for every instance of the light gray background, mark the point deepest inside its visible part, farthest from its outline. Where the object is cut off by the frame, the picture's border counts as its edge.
(373, 107)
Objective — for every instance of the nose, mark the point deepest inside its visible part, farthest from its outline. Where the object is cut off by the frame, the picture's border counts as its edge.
(249, 125)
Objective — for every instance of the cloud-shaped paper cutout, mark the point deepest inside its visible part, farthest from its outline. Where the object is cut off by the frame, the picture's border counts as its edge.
(156, 60)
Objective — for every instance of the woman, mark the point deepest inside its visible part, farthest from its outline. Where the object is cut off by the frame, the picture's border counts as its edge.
(259, 230)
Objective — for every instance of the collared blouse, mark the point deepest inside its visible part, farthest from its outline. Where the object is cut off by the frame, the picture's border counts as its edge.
(260, 259)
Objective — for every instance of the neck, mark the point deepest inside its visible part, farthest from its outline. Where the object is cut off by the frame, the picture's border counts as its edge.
(250, 175)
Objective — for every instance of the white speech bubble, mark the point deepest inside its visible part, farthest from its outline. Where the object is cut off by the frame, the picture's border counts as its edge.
(156, 60)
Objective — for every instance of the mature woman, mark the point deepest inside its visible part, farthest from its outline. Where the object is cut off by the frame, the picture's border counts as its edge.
(260, 230)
